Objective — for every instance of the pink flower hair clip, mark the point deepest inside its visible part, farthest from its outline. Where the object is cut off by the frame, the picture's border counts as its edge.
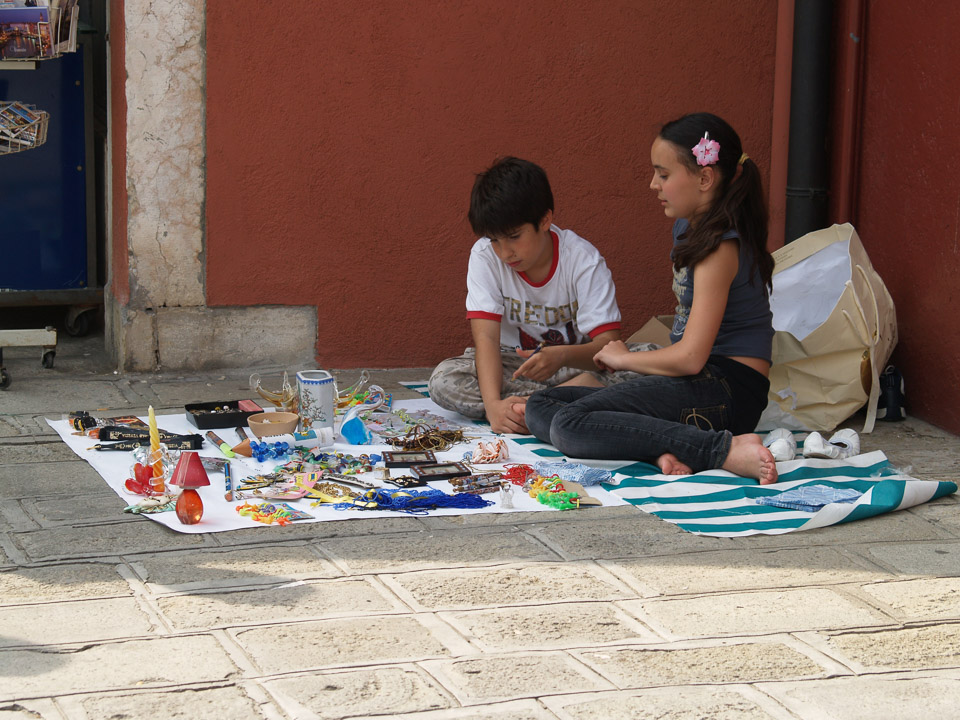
(707, 151)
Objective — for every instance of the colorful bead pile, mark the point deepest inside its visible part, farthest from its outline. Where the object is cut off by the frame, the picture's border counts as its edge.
(264, 451)
(343, 464)
(270, 513)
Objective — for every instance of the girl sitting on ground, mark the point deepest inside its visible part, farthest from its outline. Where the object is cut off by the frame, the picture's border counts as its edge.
(694, 404)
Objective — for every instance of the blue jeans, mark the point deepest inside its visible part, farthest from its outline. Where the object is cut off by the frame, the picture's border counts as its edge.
(694, 417)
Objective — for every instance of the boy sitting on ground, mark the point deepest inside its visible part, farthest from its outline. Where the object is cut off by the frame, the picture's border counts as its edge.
(540, 300)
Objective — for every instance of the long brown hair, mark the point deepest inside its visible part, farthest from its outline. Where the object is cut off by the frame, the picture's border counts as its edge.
(739, 205)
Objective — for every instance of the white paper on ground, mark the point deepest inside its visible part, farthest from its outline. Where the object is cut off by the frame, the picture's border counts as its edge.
(220, 515)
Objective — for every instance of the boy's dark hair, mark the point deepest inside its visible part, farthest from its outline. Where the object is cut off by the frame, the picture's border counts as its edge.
(740, 203)
(511, 193)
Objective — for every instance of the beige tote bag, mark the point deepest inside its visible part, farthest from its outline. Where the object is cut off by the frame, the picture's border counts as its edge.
(836, 327)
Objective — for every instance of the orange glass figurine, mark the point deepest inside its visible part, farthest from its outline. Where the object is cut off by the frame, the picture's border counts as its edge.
(285, 398)
(189, 474)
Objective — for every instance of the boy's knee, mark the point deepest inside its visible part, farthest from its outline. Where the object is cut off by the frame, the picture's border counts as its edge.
(454, 387)
(435, 376)
(438, 385)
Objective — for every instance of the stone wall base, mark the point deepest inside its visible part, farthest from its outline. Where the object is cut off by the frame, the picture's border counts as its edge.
(201, 338)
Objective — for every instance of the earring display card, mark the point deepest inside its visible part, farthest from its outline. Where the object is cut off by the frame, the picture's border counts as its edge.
(405, 459)
(439, 471)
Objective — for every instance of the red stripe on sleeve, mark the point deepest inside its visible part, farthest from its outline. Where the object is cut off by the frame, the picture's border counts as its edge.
(603, 328)
(480, 315)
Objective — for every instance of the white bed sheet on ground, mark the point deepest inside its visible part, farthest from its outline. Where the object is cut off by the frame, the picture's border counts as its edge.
(220, 515)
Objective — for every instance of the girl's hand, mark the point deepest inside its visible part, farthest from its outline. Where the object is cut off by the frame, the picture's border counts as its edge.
(507, 415)
(540, 364)
(612, 355)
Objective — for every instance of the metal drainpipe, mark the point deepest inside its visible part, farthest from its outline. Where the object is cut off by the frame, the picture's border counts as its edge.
(808, 167)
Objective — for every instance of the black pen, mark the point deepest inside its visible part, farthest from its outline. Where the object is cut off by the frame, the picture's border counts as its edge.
(538, 348)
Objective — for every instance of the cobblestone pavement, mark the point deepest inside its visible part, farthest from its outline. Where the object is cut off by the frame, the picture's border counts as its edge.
(607, 613)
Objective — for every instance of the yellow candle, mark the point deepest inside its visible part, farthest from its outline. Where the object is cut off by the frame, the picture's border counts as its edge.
(155, 448)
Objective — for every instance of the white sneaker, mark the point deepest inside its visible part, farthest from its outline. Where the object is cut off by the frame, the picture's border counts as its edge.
(848, 441)
(782, 444)
(843, 444)
(814, 446)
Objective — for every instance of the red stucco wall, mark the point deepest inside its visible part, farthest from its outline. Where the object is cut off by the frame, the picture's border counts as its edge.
(342, 144)
(909, 203)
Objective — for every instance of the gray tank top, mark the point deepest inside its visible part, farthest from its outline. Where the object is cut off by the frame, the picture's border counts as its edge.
(747, 326)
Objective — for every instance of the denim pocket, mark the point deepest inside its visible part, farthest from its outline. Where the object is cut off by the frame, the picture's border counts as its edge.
(706, 418)
(710, 375)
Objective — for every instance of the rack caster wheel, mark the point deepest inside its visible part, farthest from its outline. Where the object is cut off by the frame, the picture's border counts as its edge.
(47, 359)
(4, 380)
(79, 320)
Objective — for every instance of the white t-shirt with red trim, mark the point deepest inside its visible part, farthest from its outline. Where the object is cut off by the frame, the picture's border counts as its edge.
(576, 302)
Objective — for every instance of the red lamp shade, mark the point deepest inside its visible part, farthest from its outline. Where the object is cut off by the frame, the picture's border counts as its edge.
(189, 472)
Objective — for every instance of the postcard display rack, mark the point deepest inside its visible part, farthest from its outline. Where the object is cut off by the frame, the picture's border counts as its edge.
(30, 31)
(22, 127)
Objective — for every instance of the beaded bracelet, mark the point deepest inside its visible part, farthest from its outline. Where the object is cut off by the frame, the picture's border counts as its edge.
(518, 474)
(546, 485)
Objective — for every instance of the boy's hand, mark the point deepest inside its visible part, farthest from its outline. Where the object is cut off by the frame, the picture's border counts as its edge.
(541, 363)
(612, 355)
(506, 416)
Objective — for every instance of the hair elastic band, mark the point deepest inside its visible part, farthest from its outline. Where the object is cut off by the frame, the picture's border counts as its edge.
(743, 159)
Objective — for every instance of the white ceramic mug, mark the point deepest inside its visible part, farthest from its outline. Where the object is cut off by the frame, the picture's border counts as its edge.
(316, 390)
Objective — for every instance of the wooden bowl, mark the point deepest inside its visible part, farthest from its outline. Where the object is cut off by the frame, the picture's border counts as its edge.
(273, 423)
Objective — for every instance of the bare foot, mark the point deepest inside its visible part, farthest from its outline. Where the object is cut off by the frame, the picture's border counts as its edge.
(749, 458)
(670, 465)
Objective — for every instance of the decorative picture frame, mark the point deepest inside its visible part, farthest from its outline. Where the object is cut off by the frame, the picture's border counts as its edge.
(439, 471)
(408, 458)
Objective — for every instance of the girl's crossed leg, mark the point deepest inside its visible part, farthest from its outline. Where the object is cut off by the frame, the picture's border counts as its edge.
(681, 424)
